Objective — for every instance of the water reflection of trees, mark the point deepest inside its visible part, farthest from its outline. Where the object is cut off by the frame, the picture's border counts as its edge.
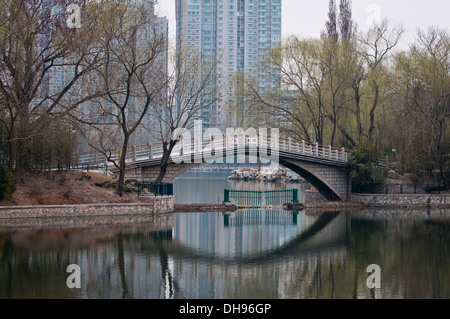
(414, 256)
(413, 253)
(33, 274)
(33, 261)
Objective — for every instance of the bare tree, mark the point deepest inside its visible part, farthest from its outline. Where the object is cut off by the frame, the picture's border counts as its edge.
(425, 87)
(191, 86)
(132, 76)
(35, 42)
(375, 48)
(331, 90)
(337, 62)
(300, 98)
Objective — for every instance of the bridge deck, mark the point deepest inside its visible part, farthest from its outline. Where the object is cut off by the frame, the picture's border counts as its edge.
(195, 149)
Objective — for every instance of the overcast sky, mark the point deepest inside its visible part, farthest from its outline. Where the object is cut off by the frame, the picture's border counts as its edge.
(307, 18)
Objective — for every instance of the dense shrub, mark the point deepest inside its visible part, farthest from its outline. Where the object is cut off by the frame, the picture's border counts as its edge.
(365, 170)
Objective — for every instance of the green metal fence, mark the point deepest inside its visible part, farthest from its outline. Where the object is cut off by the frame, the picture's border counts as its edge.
(247, 198)
(151, 189)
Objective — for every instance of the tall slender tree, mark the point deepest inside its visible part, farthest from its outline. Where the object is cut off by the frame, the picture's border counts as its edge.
(347, 26)
(331, 24)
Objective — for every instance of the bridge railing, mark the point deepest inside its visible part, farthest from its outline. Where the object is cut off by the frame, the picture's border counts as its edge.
(218, 143)
(317, 150)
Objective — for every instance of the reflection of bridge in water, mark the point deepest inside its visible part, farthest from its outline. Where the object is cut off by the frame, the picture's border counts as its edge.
(250, 236)
(251, 240)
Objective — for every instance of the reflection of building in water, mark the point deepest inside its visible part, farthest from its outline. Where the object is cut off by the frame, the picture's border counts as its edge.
(246, 232)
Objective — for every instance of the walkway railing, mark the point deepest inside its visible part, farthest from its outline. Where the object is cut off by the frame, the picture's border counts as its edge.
(217, 143)
(245, 198)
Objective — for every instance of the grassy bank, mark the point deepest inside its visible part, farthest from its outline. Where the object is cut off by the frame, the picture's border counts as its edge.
(67, 188)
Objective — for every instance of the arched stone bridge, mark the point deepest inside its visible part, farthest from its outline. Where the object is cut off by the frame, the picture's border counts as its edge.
(324, 167)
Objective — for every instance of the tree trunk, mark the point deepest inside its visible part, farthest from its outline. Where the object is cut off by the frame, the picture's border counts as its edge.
(333, 134)
(372, 111)
(358, 113)
(442, 172)
(12, 148)
(163, 169)
(122, 165)
(167, 151)
(347, 136)
(441, 165)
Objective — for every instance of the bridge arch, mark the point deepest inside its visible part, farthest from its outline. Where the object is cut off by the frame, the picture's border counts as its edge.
(322, 185)
(331, 179)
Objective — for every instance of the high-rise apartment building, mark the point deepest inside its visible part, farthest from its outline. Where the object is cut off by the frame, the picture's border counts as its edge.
(237, 34)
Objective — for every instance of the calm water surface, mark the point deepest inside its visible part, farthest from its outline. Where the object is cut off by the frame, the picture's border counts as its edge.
(208, 188)
(246, 254)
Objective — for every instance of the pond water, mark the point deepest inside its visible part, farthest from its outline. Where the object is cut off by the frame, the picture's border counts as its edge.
(253, 253)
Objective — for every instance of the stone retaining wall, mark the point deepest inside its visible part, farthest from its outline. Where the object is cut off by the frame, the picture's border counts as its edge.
(422, 200)
(156, 205)
(156, 222)
(314, 197)
(381, 200)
